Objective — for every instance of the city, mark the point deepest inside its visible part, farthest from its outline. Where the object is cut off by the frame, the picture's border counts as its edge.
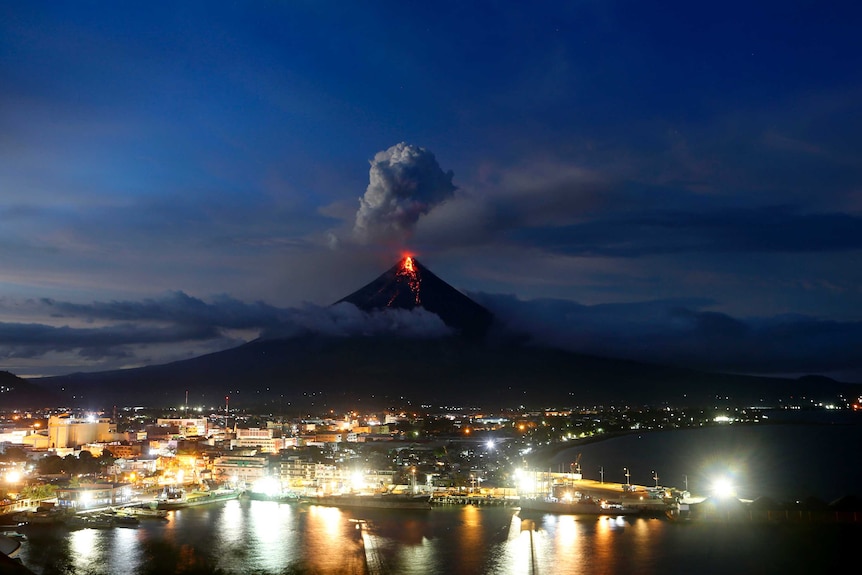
(453, 451)
(223, 350)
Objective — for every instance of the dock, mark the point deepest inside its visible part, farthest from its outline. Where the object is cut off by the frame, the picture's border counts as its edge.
(475, 500)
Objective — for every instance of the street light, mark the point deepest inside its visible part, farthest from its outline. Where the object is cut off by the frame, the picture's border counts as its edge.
(628, 475)
(655, 476)
(685, 478)
(602, 473)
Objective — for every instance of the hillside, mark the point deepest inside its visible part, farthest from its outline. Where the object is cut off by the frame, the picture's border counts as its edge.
(382, 371)
(19, 393)
(477, 366)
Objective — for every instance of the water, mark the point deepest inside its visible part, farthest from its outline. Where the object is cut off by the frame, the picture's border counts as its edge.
(786, 462)
(264, 538)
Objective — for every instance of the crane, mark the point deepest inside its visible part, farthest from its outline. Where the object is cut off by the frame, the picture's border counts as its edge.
(576, 466)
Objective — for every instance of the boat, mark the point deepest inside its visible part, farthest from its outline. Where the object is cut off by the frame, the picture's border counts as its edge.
(146, 512)
(574, 506)
(285, 497)
(373, 500)
(76, 522)
(13, 535)
(9, 546)
(125, 520)
(179, 499)
(41, 517)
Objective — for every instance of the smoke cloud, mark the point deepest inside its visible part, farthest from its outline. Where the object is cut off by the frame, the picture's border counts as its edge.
(405, 182)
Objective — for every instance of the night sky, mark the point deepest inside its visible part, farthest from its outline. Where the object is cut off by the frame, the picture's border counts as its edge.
(676, 182)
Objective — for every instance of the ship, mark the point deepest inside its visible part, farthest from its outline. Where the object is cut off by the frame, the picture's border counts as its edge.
(283, 497)
(373, 500)
(180, 499)
(574, 506)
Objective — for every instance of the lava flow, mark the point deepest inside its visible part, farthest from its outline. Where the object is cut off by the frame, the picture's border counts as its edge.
(410, 274)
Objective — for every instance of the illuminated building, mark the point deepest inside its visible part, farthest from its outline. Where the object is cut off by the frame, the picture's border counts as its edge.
(95, 495)
(125, 450)
(261, 438)
(239, 469)
(188, 427)
(68, 432)
(15, 436)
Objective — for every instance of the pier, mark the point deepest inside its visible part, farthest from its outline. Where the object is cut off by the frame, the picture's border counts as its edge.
(476, 500)
(374, 561)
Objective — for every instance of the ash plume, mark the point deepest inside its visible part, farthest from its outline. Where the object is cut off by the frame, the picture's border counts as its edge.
(405, 182)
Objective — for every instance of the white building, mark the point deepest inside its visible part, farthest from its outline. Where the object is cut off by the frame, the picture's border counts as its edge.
(66, 432)
(262, 439)
(238, 469)
(188, 426)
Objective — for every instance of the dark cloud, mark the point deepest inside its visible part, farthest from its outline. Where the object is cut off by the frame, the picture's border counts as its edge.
(674, 332)
(128, 330)
(682, 332)
(176, 308)
(34, 340)
(767, 229)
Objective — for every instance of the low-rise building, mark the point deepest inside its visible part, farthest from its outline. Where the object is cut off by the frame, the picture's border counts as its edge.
(66, 432)
(93, 495)
(238, 469)
(186, 426)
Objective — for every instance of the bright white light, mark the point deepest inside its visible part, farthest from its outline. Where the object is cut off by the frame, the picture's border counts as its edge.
(13, 477)
(723, 488)
(357, 480)
(269, 486)
(490, 444)
(527, 483)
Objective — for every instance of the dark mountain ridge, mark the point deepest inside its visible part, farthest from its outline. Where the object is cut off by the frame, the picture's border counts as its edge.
(473, 367)
(318, 371)
(17, 392)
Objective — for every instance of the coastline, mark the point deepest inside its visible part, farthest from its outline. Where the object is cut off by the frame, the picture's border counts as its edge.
(787, 461)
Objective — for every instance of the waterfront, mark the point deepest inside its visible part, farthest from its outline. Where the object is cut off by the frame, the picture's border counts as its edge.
(785, 461)
(269, 538)
(263, 537)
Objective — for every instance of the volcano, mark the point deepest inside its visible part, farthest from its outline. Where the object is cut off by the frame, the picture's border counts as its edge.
(408, 285)
(480, 364)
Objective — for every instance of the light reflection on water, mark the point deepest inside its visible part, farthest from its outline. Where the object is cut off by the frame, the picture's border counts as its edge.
(84, 545)
(273, 528)
(125, 549)
(268, 538)
(330, 543)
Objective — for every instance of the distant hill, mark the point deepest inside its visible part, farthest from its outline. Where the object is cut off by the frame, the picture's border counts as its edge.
(19, 393)
(317, 371)
(470, 368)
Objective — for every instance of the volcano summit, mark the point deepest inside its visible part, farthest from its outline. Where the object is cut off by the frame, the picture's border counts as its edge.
(408, 284)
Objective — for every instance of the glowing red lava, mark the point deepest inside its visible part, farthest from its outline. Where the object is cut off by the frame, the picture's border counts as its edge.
(410, 274)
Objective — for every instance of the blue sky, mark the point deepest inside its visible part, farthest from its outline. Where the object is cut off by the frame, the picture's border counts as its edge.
(677, 182)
